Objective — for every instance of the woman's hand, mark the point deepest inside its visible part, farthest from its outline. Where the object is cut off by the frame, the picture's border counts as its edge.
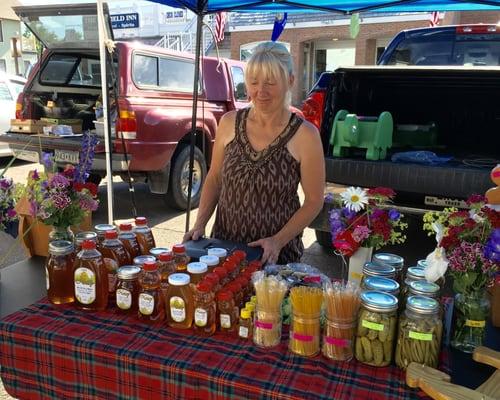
(194, 234)
(271, 249)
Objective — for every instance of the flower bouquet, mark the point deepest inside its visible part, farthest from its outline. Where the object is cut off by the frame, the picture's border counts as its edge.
(8, 215)
(468, 249)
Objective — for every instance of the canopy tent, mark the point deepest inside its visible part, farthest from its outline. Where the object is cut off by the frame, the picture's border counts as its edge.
(204, 7)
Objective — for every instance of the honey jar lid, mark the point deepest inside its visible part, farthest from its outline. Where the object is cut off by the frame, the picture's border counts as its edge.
(86, 235)
(422, 305)
(128, 272)
(197, 268)
(60, 247)
(245, 313)
(217, 251)
(166, 256)
(156, 251)
(240, 254)
(140, 260)
(179, 279)
(111, 234)
(179, 248)
(210, 260)
(389, 259)
(204, 286)
(150, 266)
(250, 305)
(125, 227)
(141, 221)
(378, 301)
(224, 295)
(101, 228)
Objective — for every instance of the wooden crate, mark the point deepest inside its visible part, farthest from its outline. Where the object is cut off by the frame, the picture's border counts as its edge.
(29, 126)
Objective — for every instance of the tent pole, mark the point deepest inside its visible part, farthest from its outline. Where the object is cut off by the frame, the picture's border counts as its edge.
(104, 86)
(199, 26)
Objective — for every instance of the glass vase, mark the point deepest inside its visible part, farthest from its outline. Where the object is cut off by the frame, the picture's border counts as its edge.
(470, 313)
(61, 233)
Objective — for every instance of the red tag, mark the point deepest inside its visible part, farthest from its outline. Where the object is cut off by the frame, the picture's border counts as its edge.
(312, 279)
(302, 338)
(264, 325)
(337, 342)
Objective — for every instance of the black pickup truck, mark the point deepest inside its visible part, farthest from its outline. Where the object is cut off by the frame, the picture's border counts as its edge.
(458, 100)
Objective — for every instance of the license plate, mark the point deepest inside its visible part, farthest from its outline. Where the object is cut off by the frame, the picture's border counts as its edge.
(27, 155)
(67, 156)
(441, 202)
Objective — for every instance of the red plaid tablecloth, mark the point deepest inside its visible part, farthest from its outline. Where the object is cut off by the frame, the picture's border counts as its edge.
(62, 353)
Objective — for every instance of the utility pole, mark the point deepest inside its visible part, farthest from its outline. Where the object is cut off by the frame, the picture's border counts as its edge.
(15, 52)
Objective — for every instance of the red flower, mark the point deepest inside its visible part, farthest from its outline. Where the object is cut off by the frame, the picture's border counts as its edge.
(345, 243)
(69, 171)
(493, 216)
(459, 214)
(476, 199)
(91, 187)
(382, 191)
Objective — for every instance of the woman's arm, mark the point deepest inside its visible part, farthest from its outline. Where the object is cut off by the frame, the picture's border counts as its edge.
(308, 150)
(211, 186)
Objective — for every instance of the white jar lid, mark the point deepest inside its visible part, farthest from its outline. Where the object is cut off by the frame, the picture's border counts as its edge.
(197, 268)
(210, 260)
(217, 251)
(179, 279)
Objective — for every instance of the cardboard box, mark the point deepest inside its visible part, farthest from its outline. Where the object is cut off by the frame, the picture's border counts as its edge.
(34, 234)
(76, 124)
(28, 126)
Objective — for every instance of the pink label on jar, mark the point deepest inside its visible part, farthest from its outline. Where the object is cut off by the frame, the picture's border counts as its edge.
(312, 279)
(302, 338)
(264, 325)
(495, 174)
(337, 342)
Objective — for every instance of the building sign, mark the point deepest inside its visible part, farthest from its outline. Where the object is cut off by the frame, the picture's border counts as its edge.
(124, 21)
(174, 16)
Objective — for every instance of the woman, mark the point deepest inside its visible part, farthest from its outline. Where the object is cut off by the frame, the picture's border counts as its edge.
(260, 155)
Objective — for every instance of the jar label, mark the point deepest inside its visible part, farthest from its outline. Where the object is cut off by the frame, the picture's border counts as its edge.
(85, 286)
(243, 332)
(372, 325)
(263, 325)
(177, 309)
(112, 279)
(146, 304)
(302, 338)
(123, 299)
(200, 317)
(47, 281)
(337, 342)
(420, 336)
(225, 321)
(475, 324)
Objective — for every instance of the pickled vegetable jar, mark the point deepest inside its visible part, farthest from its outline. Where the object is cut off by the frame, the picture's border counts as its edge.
(381, 284)
(372, 269)
(393, 260)
(419, 333)
(376, 328)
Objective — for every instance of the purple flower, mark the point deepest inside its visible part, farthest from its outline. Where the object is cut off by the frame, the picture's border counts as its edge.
(360, 233)
(348, 213)
(334, 215)
(47, 160)
(35, 175)
(11, 213)
(89, 142)
(492, 247)
(394, 214)
(60, 200)
(329, 198)
(5, 183)
(33, 208)
(59, 181)
(377, 213)
(88, 204)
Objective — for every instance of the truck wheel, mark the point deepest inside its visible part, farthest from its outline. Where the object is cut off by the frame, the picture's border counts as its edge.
(324, 238)
(179, 179)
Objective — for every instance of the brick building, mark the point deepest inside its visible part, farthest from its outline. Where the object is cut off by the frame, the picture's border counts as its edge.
(324, 44)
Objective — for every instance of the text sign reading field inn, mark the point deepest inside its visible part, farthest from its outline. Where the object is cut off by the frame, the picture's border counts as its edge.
(124, 21)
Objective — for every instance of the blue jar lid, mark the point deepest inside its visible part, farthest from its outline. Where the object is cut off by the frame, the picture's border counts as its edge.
(388, 258)
(375, 300)
(381, 284)
(422, 263)
(197, 268)
(373, 269)
(179, 279)
(422, 305)
(156, 251)
(415, 273)
(424, 288)
(210, 260)
(140, 260)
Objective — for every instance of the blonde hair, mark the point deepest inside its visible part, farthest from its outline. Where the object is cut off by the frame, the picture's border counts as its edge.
(272, 60)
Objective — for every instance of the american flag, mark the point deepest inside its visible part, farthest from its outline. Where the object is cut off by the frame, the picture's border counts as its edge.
(434, 20)
(220, 24)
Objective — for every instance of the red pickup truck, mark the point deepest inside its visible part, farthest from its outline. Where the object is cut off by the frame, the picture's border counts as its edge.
(150, 90)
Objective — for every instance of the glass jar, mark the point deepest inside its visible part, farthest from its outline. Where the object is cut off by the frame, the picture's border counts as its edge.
(205, 310)
(422, 263)
(211, 261)
(196, 271)
(393, 260)
(381, 284)
(423, 288)
(376, 329)
(267, 327)
(129, 240)
(127, 289)
(101, 230)
(218, 252)
(245, 325)
(179, 301)
(227, 312)
(156, 251)
(222, 274)
(113, 248)
(231, 266)
(144, 235)
(90, 279)
(304, 335)
(338, 343)
(61, 233)
(59, 272)
(180, 257)
(151, 303)
(213, 278)
(419, 333)
(81, 236)
(372, 269)
(166, 266)
(241, 256)
(140, 260)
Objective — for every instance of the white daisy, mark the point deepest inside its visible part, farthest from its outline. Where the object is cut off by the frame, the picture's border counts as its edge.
(354, 198)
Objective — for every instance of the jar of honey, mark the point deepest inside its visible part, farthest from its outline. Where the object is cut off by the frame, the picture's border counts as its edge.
(127, 289)
(129, 240)
(140, 260)
(59, 272)
(81, 236)
(196, 271)
(242, 259)
(222, 274)
(144, 235)
(213, 278)
(113, 248)
(227, 312)
(166, 266)
(179, 301)
(180, 257)
(231, 266)
(90, 279)
(101, 230)
(151, 304)
(156, 251)
(211, 261)
(205, 310)
(218, 252)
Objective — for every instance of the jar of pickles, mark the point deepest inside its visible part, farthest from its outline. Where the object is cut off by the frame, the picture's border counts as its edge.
(376, 330)
(372, 269)
(393, 260)
(127, 289)
(423, 288)
(412, 274)
(419, 333)
(381, 284)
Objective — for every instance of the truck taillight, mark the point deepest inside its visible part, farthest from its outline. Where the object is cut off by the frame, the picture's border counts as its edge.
(126, 125)
(23, 107)
(477, 29)
(313, 108)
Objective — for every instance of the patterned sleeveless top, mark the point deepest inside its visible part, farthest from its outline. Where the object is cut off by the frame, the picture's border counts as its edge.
(259, 189)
